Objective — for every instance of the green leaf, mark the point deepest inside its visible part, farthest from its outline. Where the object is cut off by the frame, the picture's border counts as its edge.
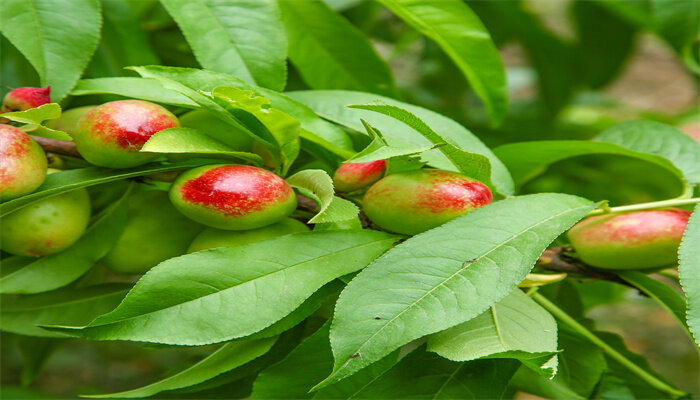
(462, 36)
(526, 160)
(35, 353)
(33, 117)
(612, 388)
(314, 128)
(244, 38)
(308, 363)
(137, 88)
(474, 165)
(605, 42)
(64, 181)
(320, 185)
(641, 388)
(425, 375)
(331, 53)
(292, 377)
(59, 269)
(283, 127)
(677, 21)
(225, 358)
(515, 327)
(308, 307)
(445, 276)
(581, 365)
(69, 306)
(379, 149)
(332, 106)
(689, 271)
(554, 59)
(668, 297)
(660, 139)
(171, 78)
(191, 141)
(286, 342)
(57, 44)
(231, 292)
(124, 41)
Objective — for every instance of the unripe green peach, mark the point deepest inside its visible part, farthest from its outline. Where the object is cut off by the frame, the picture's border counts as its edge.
(112, 134)
(415, 201)
(354, 176)
(211, 238)
(24, 98)
(634, 240)
(46, 226)
(208, 124)
(155, 231)
(232, 197)
(68, 121)
(22, 163)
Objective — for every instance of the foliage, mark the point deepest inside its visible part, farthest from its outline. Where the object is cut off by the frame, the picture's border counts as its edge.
(347, 310)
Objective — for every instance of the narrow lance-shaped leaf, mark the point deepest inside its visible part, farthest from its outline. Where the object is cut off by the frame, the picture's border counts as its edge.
(445, 276)
(191, 141)
(57, 270)
(227, 357)
(136, 88)
(320, 185)
(660, 139)
(308, 363)
(425, 375)
(689, 271)
(124, 40)
(581, 365)
(379, 149)
(474, 165)
(283, 127)
(64, 306)
(331, 104)
(57, 44)
(460, 34)
(35, 353)
(244, 38)
(331, 53)
(231, 292)
(543, 153)
(314, 128)
(515, 327)
(193, 90)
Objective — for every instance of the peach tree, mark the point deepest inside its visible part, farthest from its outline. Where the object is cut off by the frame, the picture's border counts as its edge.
(250, 185)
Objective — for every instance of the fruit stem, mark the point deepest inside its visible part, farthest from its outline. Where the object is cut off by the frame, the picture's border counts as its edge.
(607, 349)
(645, 206)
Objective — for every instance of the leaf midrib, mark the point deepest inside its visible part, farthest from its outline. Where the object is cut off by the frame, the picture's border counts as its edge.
(499, 245)
(243, 283)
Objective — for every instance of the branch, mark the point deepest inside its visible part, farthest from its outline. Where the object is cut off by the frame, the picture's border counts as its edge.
(62, 147)
(554, 259)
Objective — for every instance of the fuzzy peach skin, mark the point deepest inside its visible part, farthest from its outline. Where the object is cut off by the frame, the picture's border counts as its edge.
(354, 176)
(634, 240)
(112, 134)
(233, 197)
(22, 163)
(413, 202)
